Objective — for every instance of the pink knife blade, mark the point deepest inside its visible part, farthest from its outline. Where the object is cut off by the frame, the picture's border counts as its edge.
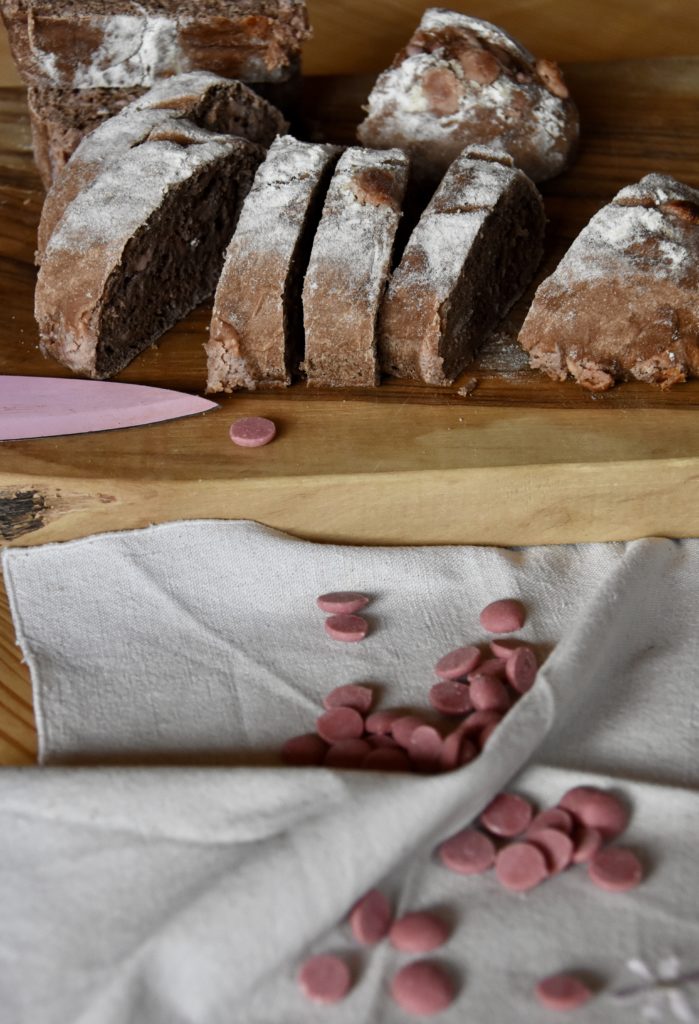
(50, 406)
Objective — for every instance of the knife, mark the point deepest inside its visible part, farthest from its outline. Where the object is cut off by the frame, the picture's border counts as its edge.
(50, 406)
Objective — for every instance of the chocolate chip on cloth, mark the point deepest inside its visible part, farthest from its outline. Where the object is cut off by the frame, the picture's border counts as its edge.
(623, 303)
(462, 81)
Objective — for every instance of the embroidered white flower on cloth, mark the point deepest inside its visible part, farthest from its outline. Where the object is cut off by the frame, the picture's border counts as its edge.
(661, 990)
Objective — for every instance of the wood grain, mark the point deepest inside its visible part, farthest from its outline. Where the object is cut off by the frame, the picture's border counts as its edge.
(522, 460)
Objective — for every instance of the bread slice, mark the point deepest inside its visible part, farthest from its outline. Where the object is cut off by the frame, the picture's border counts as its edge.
(84, 60)
(623, 303)
(256, 336)
(141, 246)
(122, 44)
(471, 255)
(201, 97)
(60, 118)
(349, 267)
(462, 81)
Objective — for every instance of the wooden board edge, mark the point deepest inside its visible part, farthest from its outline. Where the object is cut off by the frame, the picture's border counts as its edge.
(502, 506)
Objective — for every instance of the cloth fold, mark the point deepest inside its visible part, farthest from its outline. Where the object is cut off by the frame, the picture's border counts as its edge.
(187, 891)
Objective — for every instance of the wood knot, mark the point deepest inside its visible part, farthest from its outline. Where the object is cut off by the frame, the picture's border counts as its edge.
(21, 512)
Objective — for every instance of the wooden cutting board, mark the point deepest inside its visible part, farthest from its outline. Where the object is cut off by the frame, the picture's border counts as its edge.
(522, 460)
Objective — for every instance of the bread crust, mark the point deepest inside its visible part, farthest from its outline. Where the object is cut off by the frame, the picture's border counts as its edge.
(349, 267)
(461, 81)
(83, 60)
(623, 303)
(116, 44)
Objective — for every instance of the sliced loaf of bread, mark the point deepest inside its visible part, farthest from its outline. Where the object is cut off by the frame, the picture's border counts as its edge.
(256, 337)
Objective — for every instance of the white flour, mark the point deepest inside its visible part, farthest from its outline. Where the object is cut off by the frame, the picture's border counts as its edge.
(621, 239)
(400, 101)
(444, 239)
(276, 207)
(107, 213)
(135, 50)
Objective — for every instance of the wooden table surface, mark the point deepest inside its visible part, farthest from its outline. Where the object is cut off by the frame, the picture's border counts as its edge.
(522, 460)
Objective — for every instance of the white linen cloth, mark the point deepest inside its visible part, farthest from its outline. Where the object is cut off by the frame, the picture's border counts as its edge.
(161, 869)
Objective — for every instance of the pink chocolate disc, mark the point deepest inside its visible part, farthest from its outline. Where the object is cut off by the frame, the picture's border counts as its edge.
(486, 733)
(370, 918)
(468, 852)
(587, 842)
(615, 869)
(597, 809)
(422, 988)
(425, 748)
(468, 751)
(562, 992)
(488, 693)
(520, 866)
(506, 616)
(556, 845)
(451, 698)
(507, 815)
(342, 602)
(479, 720)
(325, 979)
(457, 664)
(404, 727)
(351, 695)
(418, 932)
(505, 647)
(554, 817)
(304, 750)
(492, 667)
(456, 750)
(387, 759)
(252, 431)
(380, 722)
(348, 628)
(340, 724)
(521, 669)
(381, 740)
(347, 754)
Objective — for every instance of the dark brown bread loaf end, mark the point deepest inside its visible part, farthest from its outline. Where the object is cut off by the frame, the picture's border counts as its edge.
(141, 246)
(623, 303)
(462, 81)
